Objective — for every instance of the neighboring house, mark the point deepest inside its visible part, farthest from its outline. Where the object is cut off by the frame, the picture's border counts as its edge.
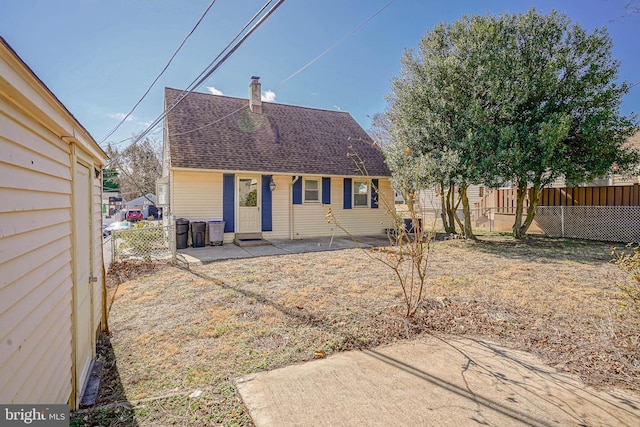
(142, 203)
(51, 268)
(270, 168)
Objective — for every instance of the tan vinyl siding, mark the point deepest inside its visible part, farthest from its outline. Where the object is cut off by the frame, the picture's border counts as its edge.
(280, 203)
(97, 261)
(310, 219)
(29, 325)
(37, 139)
(196, 196)
(430, 200)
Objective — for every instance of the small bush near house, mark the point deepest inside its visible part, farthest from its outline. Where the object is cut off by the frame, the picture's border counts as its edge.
(629, 291)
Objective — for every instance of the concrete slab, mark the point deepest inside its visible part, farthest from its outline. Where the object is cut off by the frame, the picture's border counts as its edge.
(208, 254)
(213, 253)
(431, 382)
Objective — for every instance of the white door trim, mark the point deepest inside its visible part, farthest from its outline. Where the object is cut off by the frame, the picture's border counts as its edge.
(239, 219)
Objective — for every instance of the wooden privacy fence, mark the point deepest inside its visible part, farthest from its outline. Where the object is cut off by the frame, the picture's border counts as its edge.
(620, 195)
(503, 200)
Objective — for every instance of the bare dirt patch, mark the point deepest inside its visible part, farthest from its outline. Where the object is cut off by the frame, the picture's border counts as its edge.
(181, 337)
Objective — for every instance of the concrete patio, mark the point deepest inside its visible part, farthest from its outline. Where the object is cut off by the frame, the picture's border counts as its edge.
(208, 254)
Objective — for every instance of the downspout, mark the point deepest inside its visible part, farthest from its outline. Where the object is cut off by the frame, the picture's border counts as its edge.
(291, 227)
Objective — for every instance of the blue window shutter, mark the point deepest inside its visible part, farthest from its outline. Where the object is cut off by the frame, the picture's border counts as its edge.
(297, 191)
(347, 193)
(228, 201)
(374, 193)
(266, 203)
(326, 191)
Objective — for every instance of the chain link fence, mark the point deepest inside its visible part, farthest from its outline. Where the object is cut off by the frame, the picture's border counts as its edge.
(603, 223)
(145, 242)
(606, 223)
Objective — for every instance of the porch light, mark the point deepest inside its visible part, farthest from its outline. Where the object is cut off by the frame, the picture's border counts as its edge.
(272, 185)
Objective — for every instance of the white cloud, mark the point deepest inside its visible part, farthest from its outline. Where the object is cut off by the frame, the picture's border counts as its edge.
(269, 96)
(337, 108)
(121, 116)
(214, 91)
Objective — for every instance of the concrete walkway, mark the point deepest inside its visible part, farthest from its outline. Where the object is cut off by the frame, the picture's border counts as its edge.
(277, 247)
(431, 382)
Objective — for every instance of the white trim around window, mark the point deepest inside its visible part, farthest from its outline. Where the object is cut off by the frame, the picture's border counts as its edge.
(361, 194)
(311, 190)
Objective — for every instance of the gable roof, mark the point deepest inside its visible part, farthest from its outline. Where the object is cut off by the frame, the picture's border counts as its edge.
(219, 132)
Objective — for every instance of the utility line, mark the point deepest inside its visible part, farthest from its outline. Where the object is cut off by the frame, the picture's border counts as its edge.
(124, 119)
(208, 69)
(355, 30)
(304, 67)
(190, 87)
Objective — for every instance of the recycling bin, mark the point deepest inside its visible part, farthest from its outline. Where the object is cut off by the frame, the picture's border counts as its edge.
(182, 233)
(198, 230)
(216, 232)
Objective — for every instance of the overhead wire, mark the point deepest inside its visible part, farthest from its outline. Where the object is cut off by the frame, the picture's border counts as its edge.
(215, 63)
(136, 138)
(207, 72)
(333, 46)
(124, 119)
(211, 68)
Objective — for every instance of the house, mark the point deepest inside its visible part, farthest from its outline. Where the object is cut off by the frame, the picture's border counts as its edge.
(51, 268)
(270, 169)
(144, 203)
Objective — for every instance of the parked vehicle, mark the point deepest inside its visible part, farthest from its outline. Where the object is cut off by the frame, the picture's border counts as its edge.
(133, 215)
(116, 226)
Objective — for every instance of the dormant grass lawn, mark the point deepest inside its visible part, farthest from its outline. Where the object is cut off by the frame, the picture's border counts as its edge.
(180, 338)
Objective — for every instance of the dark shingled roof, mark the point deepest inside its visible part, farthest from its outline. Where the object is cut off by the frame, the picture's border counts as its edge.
(219, 132)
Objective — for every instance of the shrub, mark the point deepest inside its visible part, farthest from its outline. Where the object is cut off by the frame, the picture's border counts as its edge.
(630, 290)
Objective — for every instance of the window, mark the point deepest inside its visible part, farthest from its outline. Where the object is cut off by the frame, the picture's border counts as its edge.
(311, 191)
(360, 193)
(248, 192)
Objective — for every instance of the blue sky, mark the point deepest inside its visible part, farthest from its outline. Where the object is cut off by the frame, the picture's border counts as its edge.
(99, 56)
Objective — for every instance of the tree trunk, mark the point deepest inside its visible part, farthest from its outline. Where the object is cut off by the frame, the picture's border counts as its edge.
(520, 228)
(520, 197)
(447, 221)
(468, 230)
(533, 204)
(450, 209)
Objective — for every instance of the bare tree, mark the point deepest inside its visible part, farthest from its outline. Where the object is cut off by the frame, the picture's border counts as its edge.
(138, 167)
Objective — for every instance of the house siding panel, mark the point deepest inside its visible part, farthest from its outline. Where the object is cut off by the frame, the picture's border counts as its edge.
(30, 351)
(97, 261)
(310, 219)
(37, 139)
(197, 196)
(280, 203)
(31, 385)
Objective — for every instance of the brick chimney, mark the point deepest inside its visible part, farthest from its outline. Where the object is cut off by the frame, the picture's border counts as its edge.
(255, 95)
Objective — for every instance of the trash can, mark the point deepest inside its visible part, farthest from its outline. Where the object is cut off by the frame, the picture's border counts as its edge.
(409, 225)
(198, 229)
(182, 233)
(216, 232)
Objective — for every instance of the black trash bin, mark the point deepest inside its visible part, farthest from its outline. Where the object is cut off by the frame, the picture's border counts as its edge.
(182, 233)
(198, 230)
(409, 225)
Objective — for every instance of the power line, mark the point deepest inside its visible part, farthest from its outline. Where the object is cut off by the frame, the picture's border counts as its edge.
(208, 69)
(302, 68)
(355, 30)
(205, 74)
(124, 119)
